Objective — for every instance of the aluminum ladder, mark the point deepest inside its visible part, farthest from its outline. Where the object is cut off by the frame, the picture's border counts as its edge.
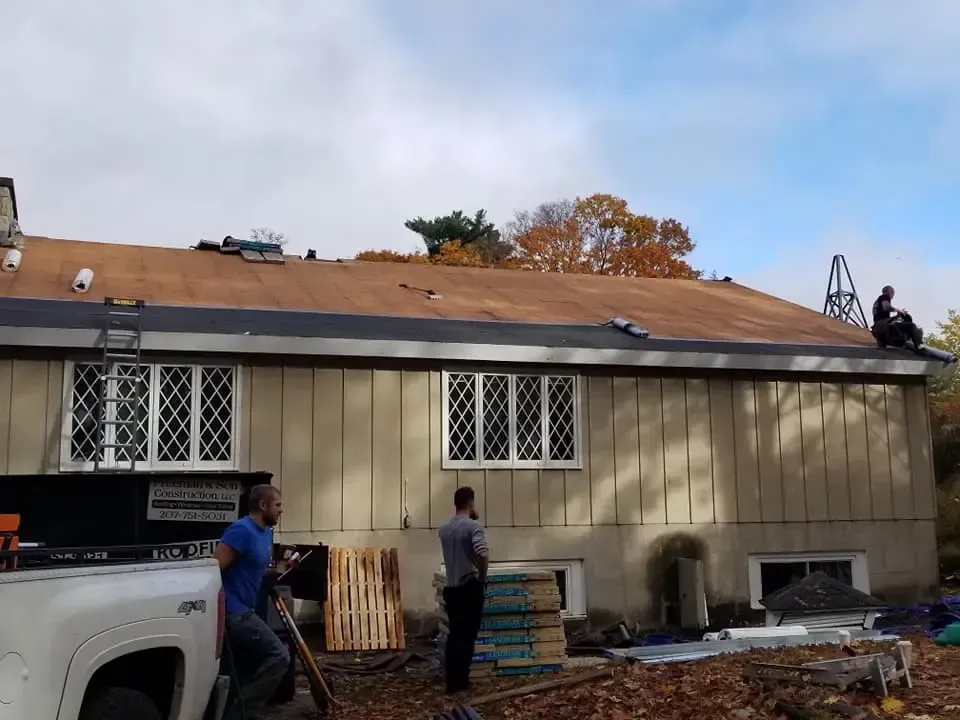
(118, 415)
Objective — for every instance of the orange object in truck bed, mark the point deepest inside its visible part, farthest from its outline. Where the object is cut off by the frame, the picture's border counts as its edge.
(9, 524)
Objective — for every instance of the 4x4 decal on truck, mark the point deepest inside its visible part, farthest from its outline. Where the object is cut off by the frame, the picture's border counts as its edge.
(188, 606)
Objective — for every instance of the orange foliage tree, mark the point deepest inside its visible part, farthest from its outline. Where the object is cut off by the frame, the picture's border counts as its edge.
(452, 252)
(600, 235)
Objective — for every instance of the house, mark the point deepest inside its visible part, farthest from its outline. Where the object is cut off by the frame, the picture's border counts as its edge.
(761, 438)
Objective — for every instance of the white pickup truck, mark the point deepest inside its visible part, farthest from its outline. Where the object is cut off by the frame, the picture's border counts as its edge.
(125, 641)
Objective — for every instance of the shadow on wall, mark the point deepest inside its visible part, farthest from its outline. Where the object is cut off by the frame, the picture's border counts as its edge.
(660, 570)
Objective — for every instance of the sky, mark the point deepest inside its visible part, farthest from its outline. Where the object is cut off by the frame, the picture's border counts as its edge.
(781, 132)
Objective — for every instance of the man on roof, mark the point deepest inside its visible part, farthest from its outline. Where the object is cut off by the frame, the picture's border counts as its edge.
(891, 325)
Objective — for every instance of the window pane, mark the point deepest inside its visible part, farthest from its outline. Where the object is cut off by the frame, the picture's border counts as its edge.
(496, 417)
(777, 575)
(216, 414)
(174, 413)
(562, 418)
(841, 570)
(562, 584)
(124, 412)
(85, 413)
(529, 417)
(461, 416)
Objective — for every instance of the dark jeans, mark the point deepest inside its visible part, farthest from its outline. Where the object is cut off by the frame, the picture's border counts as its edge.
(897, 332)
(260, 657)
(464, 605)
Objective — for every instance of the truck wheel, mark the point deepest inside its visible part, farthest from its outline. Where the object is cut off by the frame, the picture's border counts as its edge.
(120, 703)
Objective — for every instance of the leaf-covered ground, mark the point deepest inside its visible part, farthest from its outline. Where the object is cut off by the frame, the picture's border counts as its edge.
(705, 690)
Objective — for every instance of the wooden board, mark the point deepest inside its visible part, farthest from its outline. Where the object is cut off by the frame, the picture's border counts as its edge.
(363, 609)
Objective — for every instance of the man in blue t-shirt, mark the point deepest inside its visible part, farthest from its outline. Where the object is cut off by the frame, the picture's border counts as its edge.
(244, 552)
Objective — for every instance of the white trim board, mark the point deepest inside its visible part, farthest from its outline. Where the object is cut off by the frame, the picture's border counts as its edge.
(245, 344)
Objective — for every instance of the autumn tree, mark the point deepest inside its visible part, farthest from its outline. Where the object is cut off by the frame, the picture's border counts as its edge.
(453, 253)
(600, 235)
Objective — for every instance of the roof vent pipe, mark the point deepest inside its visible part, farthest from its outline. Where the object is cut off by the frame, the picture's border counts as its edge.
(81, 283)
(629, 328)
(11, 261)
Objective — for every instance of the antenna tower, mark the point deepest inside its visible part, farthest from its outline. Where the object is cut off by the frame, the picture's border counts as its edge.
(842, 301)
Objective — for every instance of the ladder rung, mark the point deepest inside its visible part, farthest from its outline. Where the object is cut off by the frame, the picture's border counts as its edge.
(122, 313)
(119, 423)
(129, 446)
(138, 376)
(120, 399)
(123, 332)
(115, 355)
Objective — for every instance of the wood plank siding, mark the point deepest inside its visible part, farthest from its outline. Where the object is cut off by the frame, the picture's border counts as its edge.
(737, 465)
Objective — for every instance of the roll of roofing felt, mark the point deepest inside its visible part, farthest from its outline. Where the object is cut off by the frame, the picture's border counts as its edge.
(759, 632)
(81, 283)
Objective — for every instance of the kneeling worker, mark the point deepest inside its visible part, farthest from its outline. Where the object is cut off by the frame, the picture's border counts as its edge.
(466, 559)
(244, 554)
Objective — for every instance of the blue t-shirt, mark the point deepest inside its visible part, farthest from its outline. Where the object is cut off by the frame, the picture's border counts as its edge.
(241, 580)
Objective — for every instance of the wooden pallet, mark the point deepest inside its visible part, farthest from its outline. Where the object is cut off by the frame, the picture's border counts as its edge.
(363, 609)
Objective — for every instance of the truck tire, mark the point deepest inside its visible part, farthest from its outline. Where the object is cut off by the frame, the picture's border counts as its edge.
(120, 703)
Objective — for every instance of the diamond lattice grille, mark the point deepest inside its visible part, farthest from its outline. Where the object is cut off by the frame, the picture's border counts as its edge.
(85, 413)
(496, 417)
(124, 412)
(462, 416)
(216, 414)
(174, 413)
(529, 417)
(561, 414)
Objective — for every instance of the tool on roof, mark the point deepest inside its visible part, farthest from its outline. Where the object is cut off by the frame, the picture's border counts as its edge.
(121, 386)
(430, 294)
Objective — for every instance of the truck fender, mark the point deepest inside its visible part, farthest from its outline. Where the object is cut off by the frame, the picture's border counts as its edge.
(117, 642)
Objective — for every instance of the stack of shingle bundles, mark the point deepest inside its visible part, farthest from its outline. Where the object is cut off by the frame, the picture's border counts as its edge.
(522, 632)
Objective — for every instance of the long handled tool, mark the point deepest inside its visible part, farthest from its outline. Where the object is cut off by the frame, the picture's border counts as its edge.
(319, 690)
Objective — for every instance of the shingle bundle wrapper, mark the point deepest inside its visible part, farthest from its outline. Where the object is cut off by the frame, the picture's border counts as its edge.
(522, 632)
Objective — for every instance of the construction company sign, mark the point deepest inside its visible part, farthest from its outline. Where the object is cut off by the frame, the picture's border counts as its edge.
(186, 551)
(194, 500)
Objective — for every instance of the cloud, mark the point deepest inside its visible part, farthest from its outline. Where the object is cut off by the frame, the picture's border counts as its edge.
(157, 122)
(924, 288)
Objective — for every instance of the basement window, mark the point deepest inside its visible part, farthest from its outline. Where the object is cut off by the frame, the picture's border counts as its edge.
(771, 572)
(493, 420)
(186, 419)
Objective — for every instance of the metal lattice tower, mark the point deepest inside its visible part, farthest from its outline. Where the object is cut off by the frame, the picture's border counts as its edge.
(842, 301)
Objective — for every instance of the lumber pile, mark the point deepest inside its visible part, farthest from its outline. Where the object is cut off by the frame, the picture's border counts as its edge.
(522, 632)
(363, 609)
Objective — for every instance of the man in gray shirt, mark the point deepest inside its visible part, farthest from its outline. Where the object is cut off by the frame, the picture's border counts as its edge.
(466, 558)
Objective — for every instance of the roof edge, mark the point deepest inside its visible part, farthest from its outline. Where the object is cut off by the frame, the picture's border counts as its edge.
(723, 356)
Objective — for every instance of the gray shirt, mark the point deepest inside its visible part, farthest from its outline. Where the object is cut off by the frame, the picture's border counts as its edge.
(462, 540)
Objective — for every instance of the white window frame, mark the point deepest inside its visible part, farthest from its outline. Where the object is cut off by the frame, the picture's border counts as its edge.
(859, 569)
(576, 585)
(66, 438)
(513, 463)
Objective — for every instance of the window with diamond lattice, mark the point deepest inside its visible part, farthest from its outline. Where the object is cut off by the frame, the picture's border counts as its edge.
(498, 420)
(185, 418)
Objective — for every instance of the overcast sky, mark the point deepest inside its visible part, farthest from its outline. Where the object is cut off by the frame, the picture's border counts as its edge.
(780, 131)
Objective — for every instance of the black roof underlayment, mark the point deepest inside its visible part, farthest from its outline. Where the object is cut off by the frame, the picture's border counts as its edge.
(80, 314)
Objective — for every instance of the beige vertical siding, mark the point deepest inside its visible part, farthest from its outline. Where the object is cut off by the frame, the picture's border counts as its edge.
(739, 465)
(361, 450)
(655, 452)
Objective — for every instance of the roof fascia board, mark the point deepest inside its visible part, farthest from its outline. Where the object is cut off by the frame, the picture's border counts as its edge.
(242, 344)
